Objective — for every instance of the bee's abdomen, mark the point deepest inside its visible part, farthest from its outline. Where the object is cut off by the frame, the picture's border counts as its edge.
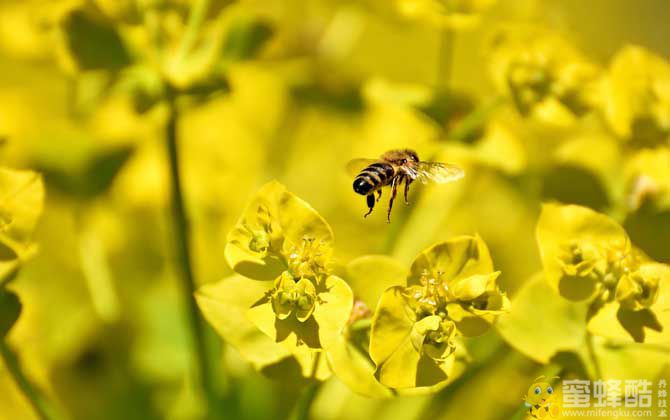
(372, 178)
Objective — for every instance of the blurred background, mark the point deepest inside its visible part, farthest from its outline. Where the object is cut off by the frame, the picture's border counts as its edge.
(292, 90)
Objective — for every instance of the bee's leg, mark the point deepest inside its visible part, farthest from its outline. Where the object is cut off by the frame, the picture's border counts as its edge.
(379, 194)
(371, 203)
(407, 182)
(394, 190)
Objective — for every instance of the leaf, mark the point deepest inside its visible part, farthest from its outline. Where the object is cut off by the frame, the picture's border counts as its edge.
(454, 259)
(10, 309)
(95, 176)
(649, 229)
(370, 275)
(245, 38)
(21, 203)
(541, 323)
(225, 304)
(354, 367)
(570, 183)
(630, 361)
(391, 325)
(333, 310)
(206, 88)
(393, 346)
(94, 43)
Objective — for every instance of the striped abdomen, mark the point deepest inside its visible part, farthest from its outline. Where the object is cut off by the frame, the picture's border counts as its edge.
(373, 177)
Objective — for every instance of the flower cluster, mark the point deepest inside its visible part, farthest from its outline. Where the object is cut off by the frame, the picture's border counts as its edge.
(286, 303)
(451, 292)
(282, 243)
(589, 257)
(543, 74)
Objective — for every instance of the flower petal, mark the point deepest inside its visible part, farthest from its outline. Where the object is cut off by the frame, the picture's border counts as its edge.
(333, 309)
(454, 259)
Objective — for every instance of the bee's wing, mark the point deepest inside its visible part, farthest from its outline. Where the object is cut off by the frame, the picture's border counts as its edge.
(438, 172)
(355, 166)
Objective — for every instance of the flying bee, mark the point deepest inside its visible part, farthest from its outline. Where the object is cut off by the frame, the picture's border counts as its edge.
(393, 168)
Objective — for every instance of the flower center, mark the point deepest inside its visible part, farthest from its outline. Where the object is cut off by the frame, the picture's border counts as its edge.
(308, 259)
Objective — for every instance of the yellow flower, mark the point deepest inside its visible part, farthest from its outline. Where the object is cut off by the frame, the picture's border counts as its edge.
(278, 231)
(635, 291)
(544, 75)
(290, 296)
(451, 291)
(637, 96)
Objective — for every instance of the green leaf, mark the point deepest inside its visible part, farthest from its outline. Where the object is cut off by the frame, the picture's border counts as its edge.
(225, 304)
(143, 84)
(353, 366)
(93, 178)
(541, 323)
(570, 183)
(452, 260)
(21, 203)
(10, 309)
(207, 88)
(649, 229)
(245, 38)
(391, 324)
(94, 43)
(333, 310)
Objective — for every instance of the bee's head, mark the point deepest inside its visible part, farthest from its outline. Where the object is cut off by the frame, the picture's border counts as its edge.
(401, 156)
(412, 156)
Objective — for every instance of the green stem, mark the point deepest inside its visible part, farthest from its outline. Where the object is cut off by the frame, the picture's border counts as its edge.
(36, 399)
(181, 231)
(304, 403)
(475, 120)
(445, 58)
(590, 348)
(195, 20)
(439, 400)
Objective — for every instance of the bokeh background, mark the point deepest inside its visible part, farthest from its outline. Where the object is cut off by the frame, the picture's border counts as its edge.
(292, 90)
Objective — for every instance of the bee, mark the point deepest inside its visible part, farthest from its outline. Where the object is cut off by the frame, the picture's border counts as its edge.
(393, 168)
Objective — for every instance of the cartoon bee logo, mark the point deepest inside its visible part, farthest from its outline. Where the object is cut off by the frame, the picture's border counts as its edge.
(541, 399)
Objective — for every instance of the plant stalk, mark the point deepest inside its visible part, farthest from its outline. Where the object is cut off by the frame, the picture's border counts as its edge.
(308, 395)
(590, 348)
(196, 17)
(181, 232)
(34, 397)
(445, 59)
